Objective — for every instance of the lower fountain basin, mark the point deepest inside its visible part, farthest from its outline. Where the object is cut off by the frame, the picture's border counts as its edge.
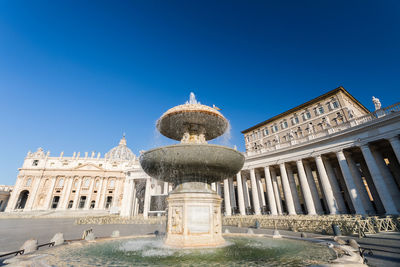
(192, 163)
(242, 251)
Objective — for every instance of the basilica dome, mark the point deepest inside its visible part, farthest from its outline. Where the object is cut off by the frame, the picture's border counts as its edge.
(120, 152)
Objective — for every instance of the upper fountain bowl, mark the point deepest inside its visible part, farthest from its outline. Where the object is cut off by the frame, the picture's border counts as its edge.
(192, 117)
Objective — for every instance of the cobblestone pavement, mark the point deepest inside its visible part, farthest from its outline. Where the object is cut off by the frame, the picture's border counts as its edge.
(14, 232)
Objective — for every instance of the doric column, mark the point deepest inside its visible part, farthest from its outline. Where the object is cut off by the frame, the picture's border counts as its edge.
(132, 198)
(286, 190)
(246, 192)
(87, 204)
(260, 190)
(227, 199)
(254, 192)
(270, 192)
(48, 200)
(293, 188)
(239, 183)
(313, 188)
(232, 193)
(328, 192)
(32, 195)
(308, 199)
(278, 200)
(356, 194)
(379, 181)
(388, 178)
(395, 143)
(335, 186)
(146, 205)
(117, 185)
(125, 198)
(76, 198)
(99, 193)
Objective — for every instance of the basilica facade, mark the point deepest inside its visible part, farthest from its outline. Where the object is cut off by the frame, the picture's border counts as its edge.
(330, 155)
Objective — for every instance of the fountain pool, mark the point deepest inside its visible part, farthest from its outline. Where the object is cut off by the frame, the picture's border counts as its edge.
(242, 251)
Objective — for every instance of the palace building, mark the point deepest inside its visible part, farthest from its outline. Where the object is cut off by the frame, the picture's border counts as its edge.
(330, 155)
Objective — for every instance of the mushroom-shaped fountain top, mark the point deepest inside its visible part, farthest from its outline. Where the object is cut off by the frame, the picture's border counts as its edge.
(192, 122)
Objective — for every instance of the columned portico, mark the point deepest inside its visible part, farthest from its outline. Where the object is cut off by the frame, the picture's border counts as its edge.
(277, 194)
(395, 143)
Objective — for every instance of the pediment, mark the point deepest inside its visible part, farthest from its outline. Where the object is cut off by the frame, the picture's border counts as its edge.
(88, 167)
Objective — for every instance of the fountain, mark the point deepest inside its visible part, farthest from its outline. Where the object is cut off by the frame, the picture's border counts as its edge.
(194, 209)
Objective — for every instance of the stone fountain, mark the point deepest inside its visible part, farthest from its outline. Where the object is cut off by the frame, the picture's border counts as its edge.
(194, 209)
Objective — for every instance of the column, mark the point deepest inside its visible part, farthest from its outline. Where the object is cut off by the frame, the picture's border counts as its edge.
(32, 195)
(335, 186)
(132, 199)
(65, 194)
(308, 199)
(277, 195)
(313, 188)
(270, 191)
(89, 195)
(395, 143)
(146, 205)
(260, 190)
(214, 187)
(357, 196)
(117, 186)
(240, 193)
(77, 190)
(293, 188)
(165, 189)
(388, 178)
(286, 190)
(14, 194)
(99, 193)
(218, 188)
(379, 182)
(232, 193)
(328, 192)
(227, 199)
(103, 193)
(254, 192)
(246, 193)
(48, 200)
(126, 200)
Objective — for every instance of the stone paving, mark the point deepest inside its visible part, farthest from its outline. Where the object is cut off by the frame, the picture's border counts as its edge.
(13, 233)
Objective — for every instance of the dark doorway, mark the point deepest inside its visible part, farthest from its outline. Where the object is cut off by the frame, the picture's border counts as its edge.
(108, 202)
(54, 204)
(23, 197)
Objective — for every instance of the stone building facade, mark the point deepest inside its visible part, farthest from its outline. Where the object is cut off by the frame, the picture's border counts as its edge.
(330, 155)
(5, 192)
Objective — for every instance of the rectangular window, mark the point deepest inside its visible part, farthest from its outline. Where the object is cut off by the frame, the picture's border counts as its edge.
(320, 110)
(35, 162)
(295, 120)
(306, 115)
(284, 125)
(266, 132)
(335, 104)
(274, 128)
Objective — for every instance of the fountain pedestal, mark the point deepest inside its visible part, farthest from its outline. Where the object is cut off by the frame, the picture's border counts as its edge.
(194, 220)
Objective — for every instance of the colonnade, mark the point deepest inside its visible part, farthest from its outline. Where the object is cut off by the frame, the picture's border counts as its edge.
(362, 179)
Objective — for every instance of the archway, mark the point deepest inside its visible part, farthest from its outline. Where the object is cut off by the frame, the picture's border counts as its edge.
(23, 197)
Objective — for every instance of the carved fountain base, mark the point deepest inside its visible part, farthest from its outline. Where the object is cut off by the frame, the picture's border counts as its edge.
(194, 220)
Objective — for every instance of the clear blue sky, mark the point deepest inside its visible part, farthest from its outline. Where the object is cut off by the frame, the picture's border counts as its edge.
(75, 75)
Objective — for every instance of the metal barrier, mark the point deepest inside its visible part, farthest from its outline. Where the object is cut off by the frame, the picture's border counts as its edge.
(22, 251)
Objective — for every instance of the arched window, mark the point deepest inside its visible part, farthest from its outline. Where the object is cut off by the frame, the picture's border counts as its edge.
(28, 182)
(97, 184)
(87, 182)
(92, 204)
(61, 182)
(70, 203)
(76, 183)
(112, 183)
